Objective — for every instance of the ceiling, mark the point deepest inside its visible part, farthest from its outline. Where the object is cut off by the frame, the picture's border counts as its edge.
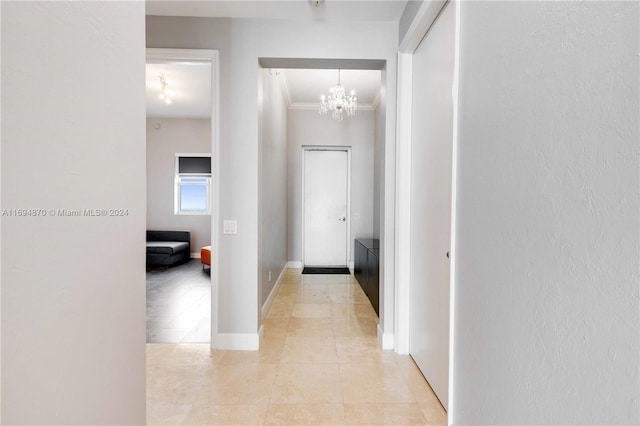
(306, 86)
(189, 84)
(329, 10)
(189, 87)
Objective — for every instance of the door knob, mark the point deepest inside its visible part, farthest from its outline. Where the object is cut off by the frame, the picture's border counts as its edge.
(342, 219)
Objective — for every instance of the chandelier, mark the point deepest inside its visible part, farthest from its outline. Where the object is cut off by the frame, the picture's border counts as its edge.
(164, 92)
(338, 103)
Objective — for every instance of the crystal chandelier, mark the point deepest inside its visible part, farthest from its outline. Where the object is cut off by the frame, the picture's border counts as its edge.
(338, 103)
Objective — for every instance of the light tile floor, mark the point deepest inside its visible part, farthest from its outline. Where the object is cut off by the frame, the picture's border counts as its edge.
(179, 304)
(319, 364)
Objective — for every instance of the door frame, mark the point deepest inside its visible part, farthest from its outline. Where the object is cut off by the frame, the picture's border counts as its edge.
(424, 19)
(211, 56)
(340, 148)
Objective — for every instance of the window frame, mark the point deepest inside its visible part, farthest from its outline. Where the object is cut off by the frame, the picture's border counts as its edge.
(179, 183)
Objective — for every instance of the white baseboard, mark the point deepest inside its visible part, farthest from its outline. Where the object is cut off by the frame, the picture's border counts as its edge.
(385, 340)
(236, 341)
(294, 264)
(195, 255)
(267, 303)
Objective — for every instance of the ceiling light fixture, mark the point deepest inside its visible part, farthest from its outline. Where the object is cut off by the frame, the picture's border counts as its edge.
(164, 92)
(338, 103)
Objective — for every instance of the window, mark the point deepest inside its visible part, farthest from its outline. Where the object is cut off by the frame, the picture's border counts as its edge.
(193, 184)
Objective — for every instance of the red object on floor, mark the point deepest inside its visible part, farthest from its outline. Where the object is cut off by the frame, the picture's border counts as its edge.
(205, 255)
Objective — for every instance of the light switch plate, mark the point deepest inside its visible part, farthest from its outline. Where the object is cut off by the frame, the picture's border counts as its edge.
(230, 227)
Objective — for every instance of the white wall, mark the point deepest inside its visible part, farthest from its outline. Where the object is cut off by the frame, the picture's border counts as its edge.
(308, 127)
(186, 136)
(241, 42)
(273, 183)
(73, 135)
(547, 297)
(387, 107)
(378, 215)
(378, 169)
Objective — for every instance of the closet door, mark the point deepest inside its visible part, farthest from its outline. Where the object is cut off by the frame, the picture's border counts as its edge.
(431, 152)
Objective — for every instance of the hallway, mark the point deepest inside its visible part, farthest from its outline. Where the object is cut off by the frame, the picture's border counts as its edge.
(319, 363)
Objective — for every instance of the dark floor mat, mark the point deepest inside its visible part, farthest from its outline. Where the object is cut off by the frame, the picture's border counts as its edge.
(321, 270)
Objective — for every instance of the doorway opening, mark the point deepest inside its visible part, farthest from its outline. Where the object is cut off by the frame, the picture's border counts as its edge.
(334, 180)
(182, 194)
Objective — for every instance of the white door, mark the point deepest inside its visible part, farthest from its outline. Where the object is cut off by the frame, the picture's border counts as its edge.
(431, 147)
(326, 181)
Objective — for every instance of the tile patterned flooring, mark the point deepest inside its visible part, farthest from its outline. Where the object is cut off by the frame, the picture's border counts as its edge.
(319, 364)
(179, 304)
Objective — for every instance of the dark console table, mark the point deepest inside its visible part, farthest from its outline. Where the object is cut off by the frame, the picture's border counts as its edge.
(366, 268)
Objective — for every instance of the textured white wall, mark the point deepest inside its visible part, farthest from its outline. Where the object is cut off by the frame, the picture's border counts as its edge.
(73, 136)
(547, 302)
(241, 42)
(186, 136)
(273, 183)
(307, 127)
